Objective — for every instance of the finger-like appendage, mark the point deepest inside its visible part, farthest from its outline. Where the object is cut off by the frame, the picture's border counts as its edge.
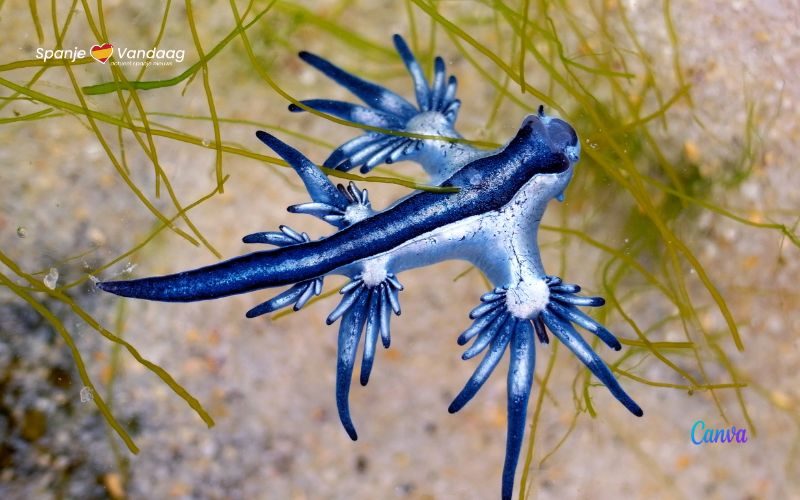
(392, 281)
(310, 291)
(570, 337)
(498, 293)
(421, 87)
(330, 214)
(283, 238)
(551, 280)
(270, 238)
(349, 335)
(520, 378)
(355, 283)
(386, 314)
(576, 316)
(347, 301)
(485, 367)
(541, 331)
(352, 112)
(400, 151)
(394, 299)
(343, 152)
(374, 95)
(316, 209)
(451, 111)
(577, 300)
(383, 154)
(317, 183)
(439, 88)
(371, 335)
(366, 153)
(566, 288)
(484, 308)
(280, 301)
(485, 337)
(354, 195)
(450, 92)
(478, 326)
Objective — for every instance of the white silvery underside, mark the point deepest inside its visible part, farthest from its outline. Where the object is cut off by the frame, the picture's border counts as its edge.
(501, 243)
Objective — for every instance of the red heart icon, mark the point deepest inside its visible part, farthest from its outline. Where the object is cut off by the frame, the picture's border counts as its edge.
(102, 52)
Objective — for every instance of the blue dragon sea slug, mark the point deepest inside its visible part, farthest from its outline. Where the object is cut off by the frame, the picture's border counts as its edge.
(491, 221)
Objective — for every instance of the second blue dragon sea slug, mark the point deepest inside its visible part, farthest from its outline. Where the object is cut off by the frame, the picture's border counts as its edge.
(491, 221)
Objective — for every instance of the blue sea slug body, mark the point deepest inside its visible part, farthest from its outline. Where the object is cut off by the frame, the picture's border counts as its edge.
(491, 221)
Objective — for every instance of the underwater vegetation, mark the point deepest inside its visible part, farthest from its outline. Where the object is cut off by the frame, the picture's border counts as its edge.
(628, 214)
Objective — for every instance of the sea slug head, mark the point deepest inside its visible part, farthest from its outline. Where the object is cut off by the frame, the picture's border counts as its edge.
(548, 149)
(560, 135)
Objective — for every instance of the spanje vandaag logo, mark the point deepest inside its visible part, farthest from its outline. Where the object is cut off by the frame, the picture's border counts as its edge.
(119, 56)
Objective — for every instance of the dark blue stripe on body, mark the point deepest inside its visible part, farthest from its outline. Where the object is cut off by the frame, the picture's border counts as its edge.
(499, 177)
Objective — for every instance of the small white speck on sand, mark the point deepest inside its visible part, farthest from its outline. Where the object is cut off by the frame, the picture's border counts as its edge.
(51, 278)
(86, 394)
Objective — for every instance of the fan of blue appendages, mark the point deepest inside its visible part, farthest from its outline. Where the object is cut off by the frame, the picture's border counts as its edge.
(299, 294)
(337, 205)
(363, 309)
(386, 110)
(495, 329)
